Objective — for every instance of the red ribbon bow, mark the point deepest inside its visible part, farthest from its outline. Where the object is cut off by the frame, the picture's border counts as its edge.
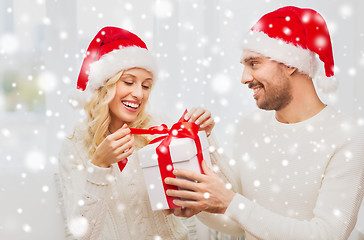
(181, 129)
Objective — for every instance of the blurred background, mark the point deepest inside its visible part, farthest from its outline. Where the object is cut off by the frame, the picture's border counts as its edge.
(197, 43)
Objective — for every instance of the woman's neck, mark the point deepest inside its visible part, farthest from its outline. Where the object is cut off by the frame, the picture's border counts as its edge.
(115, 125)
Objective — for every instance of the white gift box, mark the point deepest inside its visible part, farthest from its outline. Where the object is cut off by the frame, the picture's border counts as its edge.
(184, 156)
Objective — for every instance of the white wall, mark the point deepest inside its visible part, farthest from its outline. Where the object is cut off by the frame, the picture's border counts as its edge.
(198, 44)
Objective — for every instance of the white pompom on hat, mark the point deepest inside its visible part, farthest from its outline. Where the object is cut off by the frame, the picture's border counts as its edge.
(294, 36)
(112, 50)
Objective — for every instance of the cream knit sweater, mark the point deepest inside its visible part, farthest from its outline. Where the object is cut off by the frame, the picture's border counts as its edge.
(104, 203)
(298, 181)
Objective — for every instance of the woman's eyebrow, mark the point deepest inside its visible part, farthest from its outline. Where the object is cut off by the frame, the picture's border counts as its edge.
(128, 75)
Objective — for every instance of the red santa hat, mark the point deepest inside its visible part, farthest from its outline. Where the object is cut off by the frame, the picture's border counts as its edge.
(111, 51)
(294, 36)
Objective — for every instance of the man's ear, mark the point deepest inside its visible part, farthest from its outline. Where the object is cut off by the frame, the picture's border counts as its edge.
(290, 70)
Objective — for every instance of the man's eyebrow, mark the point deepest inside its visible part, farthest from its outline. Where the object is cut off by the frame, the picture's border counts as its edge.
(248, 59)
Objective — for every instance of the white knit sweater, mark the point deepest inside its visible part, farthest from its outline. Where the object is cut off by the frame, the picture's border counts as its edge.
(298, 181)
(113, 204)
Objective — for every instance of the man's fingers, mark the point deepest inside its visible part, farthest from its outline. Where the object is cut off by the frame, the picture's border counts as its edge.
(186, 203)
(185, 194)
(167, 211)
(195, 176)
(206, 169)
(182, 183)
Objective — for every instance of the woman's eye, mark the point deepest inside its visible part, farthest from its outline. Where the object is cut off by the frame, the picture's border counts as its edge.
(128, 83)
(145, 86)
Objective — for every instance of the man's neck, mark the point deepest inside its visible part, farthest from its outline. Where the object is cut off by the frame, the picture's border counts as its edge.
(304, 105)
(295, 113)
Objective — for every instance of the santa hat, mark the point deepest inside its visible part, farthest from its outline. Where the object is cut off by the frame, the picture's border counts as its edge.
(111, 51)
(294, 36)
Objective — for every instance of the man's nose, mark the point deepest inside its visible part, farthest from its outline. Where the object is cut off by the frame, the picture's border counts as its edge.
(246, 77)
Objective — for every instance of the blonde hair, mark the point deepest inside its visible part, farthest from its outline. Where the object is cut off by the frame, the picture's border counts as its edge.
(98, 117)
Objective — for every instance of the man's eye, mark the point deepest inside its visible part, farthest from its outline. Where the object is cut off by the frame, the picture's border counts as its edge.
(253, 64)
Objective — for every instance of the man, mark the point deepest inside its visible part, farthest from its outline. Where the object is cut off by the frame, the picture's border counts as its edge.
(300, 164)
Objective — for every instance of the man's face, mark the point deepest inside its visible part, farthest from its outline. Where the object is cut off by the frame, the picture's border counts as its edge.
(267, 79)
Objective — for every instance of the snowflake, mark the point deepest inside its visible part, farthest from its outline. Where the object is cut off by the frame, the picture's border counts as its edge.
(47, 81)
(9, 43)
(128, 6)
(78, 226)
(346, 11)
(35, 160)
(337, 212)
(163, 9)
(27, 228)
(45, 188)
(221, 84)
(352, 72)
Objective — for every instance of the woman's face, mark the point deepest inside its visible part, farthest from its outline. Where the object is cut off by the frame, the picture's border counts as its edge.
(132, 93)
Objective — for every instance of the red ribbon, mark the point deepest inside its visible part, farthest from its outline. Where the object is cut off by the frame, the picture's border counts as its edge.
(162, 129)
(182, 129)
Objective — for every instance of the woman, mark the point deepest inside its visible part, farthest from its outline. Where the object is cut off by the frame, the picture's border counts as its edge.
(103, 201)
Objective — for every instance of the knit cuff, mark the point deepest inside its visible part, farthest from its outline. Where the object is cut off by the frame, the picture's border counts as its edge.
(97, 179)
(212, 140)
(240, 209)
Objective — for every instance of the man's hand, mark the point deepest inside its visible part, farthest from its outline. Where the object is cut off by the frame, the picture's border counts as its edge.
(205, 193)
(181, 212)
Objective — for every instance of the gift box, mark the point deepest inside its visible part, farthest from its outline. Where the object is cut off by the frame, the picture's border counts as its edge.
(183, 153)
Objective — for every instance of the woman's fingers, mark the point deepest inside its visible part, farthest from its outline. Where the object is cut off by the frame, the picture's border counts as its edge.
(127, 144)
(120, 142)
(196, 114)
(189, 113)
(120, 133)
(203, 118)
(125, 154)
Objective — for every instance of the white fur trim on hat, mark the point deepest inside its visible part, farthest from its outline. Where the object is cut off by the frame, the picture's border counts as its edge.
(326, 84)
(278, 50)
(120, 59)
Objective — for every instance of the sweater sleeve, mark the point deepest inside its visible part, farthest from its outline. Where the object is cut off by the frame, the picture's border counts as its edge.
(336, 209)
(221, 222)
(85, 190)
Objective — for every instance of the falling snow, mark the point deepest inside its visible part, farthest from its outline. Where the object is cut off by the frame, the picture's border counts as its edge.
(199, 65)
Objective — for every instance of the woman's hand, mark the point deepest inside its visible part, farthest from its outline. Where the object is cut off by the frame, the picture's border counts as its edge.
(115, 147)
(202, 118)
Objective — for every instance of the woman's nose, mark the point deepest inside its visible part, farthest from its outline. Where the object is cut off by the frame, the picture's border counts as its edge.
(137, 92)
